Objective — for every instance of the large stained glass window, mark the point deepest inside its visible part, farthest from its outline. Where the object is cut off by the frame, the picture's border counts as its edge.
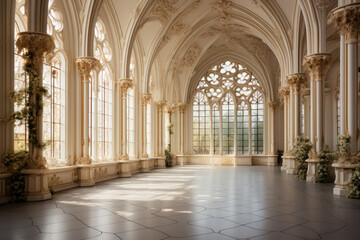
(235, 100)
(201, 125)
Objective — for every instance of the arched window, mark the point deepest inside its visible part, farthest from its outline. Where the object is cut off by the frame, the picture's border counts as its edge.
(257, 123)
(242, 128)
(228, 124)
(54, 106)
(104, 111)
(130, 122)
(231, 89)
(216, 128)
(101, 98)
(201, 124)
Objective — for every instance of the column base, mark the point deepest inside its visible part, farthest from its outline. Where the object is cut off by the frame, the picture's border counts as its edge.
(343, 175)
(160, 162)
(291, 167)
(312, 169)
(284, 163)
(124, 169)
(144, 165)
(86, 175)
(36, 185)
(272, 160)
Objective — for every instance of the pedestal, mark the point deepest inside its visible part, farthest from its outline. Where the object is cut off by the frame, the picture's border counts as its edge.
(86, 175)
(124, 169)
(284, 163)
(291, 167)
(160, 162)
(36, 185)
(272, 160)
(144, 165)
(312, 169)
(343, 174)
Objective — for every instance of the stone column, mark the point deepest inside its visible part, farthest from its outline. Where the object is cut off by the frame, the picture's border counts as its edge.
(145, 99)
(295, 80)
(125, 84)
(182, 108)
(37, 45)
(272, 158)
(118, 120)
(285, 91)
(85, 65)
(317, 65)
(347, 19)
(160, 128)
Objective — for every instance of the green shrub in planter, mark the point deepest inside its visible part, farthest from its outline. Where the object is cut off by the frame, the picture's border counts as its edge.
(354, 185)
(326, 157)
(301, 151)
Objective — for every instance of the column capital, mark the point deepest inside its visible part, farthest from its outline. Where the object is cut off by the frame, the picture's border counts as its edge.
(284, 91)
(317, 64)
(36, 43)
(295, 80)
(182, 107)
(125, 84)
(272, 104)
(347, 20)
(145, 98)
(86, 65)
(170, 108)
(160, 103)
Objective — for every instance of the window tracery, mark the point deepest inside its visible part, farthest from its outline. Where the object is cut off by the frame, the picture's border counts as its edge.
(237, 115)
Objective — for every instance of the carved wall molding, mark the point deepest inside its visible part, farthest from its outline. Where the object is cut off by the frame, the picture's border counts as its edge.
(54, 180)
(100, 172)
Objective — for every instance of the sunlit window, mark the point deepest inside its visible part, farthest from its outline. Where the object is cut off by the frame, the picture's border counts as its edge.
(230, 90)
(201, 125)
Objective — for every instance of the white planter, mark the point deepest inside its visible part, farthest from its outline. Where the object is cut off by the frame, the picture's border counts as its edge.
(343, 174)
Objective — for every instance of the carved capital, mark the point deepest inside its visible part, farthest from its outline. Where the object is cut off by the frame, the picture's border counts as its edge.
(145, 98)
(160, 104)
(83, 160)
(86, 65)
(317, 64)
(295, 80)
(125, 84)
(272, 104)
(170, 108)
(284, 91)
(39, 44)
(182, 107)
(347, 19)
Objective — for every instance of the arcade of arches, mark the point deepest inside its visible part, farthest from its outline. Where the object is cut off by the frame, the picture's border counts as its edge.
(213, 82)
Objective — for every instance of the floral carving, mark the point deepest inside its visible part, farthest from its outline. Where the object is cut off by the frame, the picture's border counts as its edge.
(222, 7)
(317, 64)
(284, 91)
(100, 172)
(163, 9)
(295, 80)
(86, 65)
(347, 20)
(54, 180)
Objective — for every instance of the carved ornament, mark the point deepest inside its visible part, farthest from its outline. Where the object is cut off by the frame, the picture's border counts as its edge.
(125, 84)
(295, 80)
(284, 91)
(86, 65)
(100, 172)
(54, 180)
(145, 98)
(272, 104)
(39, 44)
(317, 64)
(182, 107)
(83, 160)
(347, 20)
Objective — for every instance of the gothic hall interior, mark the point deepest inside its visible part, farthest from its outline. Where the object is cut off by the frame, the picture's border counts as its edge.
(238, 117)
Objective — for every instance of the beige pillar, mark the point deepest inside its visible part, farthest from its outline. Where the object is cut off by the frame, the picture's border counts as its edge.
(125, 84)
(160, 128)
(182, 108)
(285, 92)
(145, 99)
(272, 148)
(347, 19)
(317, 65)
(295, 80)
(85, 65)
(39, 45)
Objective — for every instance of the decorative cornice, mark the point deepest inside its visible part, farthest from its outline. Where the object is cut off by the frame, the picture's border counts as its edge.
(317, 64)
(86, 65)
(347, 20)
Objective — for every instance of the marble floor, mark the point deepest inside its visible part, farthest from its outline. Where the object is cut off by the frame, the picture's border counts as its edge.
(189, 202)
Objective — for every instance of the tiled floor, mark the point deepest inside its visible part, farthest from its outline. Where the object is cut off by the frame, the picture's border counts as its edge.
(189, 202)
